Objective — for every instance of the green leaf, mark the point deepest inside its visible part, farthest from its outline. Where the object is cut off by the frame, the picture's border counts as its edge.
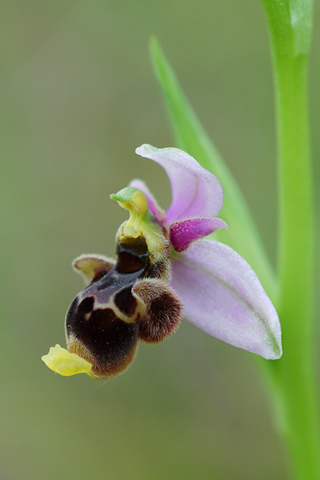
(190, 136)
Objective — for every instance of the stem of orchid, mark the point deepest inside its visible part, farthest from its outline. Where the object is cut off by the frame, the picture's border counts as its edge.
(293, 377)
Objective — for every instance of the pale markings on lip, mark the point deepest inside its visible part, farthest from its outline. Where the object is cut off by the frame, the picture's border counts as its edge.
(111, 304)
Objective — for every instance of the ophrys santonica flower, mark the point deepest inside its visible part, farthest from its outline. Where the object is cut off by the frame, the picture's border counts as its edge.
(160, 258)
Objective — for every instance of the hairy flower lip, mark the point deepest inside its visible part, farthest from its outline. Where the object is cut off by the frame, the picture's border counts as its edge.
(242, 314)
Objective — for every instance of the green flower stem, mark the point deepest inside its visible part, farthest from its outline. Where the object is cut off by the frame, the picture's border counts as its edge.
(293, 375)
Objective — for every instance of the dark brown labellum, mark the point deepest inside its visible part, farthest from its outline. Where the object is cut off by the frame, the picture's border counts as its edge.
(117, 308)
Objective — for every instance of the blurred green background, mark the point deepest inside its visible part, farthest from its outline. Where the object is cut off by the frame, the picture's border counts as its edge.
(77, 96)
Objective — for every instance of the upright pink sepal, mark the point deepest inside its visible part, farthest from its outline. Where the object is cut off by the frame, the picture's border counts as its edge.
(195, 191)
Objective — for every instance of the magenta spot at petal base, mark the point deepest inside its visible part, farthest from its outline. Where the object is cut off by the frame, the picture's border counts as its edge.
(184, 232)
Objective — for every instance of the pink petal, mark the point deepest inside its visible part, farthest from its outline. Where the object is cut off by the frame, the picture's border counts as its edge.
(195, 191)
(184, 232)
(152, 202)
(224, 297)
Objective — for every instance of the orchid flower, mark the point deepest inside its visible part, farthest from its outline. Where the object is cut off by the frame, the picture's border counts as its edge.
(165, 266)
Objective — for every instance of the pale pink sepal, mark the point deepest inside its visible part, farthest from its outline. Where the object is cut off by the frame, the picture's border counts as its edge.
(195, 191)
(223, 296)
